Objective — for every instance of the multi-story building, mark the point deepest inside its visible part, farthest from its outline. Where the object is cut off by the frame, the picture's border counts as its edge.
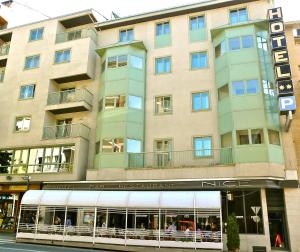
(180, 102)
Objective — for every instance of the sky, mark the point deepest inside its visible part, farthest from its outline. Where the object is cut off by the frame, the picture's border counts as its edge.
(52, 8)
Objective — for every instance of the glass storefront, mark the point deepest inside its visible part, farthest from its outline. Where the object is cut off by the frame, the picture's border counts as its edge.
(8, 209)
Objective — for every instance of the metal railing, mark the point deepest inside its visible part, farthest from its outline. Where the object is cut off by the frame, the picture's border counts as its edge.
(66, 131)
(179, 159)
(4, 49)
(67, 96)
(2, 73)
(76, 34)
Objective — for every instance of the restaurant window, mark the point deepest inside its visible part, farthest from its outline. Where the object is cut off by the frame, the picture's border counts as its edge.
(113, 145)
(223, 92)
(126, 35)
(234, 43)
(202, 146)
(200, 101)
(242, 137)
(238, 16)
(199, 60)
(32, 62)
(197, 23)
(163, 65)
(27, 92)
(273, 137)
(134, 146)
(220, 49)
(162, 28)
(163, 105)
(134, 102)
(112, 102)
(23, 123)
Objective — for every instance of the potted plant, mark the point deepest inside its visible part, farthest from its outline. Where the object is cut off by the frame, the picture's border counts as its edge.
(233, 238)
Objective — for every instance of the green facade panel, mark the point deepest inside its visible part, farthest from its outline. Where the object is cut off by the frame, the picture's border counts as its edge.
(198, 35)
(163, 41)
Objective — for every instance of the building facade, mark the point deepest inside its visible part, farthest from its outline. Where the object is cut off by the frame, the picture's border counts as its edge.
(181, 99)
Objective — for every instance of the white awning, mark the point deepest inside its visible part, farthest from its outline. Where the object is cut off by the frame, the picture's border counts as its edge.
(124, 199)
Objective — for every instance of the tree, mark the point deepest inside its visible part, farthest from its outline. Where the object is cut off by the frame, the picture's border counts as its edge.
(233, 238)
(5, 160)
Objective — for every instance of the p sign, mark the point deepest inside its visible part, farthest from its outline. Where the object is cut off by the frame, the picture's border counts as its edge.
(287, 103)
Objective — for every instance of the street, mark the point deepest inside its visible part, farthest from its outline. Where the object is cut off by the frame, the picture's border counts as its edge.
(8, 244)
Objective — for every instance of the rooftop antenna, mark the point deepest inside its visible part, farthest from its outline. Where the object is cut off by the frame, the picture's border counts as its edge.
(8, 4)
(114, 15)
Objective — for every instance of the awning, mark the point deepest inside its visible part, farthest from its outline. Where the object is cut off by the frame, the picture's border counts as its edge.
(125, 199)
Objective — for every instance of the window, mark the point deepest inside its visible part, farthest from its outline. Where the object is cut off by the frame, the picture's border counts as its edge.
(36, 34)
(202, 146)
(200, 101)
(223, 92)
(242, 137)
(23, 123)
(262, 43)
(238, 87)
(268, 88)
(62, 56)
(134, 146)
(136, 62)
(103, 66)
(162, 28)
(97, 147)
(296, 32)
(113, 145)
(32, 62)
(100, 107)
(112, 102)
(163, 65)
(274, 137)
(197, 22)
(2, 73)
(257, 136)
(226, 140)
(134, 102)
(234, 43)
(126, 35)
(199, 60)
(238, 16)
(220, 49)
(72, 35)
(252, 86)
(247, 41)
(27, 91)
(163, 105)
(117, 61)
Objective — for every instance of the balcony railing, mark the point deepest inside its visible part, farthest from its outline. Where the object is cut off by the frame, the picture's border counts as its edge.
(4, 49)
(180, 159)
(2, 73)
(77, 34)
(67, 96)
(66, 131)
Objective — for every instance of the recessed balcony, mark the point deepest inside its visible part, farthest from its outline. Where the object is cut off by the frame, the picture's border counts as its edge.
(76, 34)
(69, 101)
(66, 131)
(4, 49)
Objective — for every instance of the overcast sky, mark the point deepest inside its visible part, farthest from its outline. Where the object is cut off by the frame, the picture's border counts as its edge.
(20, 15)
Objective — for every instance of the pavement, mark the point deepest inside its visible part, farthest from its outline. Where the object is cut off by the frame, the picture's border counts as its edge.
(8, 244)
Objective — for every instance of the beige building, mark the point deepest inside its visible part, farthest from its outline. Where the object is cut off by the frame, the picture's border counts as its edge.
(181, 99)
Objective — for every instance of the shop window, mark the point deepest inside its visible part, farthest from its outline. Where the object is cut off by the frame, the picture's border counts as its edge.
(202, 146)
(274, 137)
(242, 137)
(257, 136)
(220, 49)
(126, 35)
(134, 102)
(62, 56)
(27, 92)
(238, 16)
(234, 43)
(200, 101)
(226, 140)
(136, 62)
(199, 60)
(163, 65)
(134, 146)
(238, 87)
(247, 41)
(23, 124)
(113, 145)
(162, 28)
(163, 105)
(112, 102)
(223, 92)
(197, 23)
(117, 61)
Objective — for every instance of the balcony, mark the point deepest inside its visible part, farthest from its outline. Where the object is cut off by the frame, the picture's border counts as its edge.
(77, 34)
(66, 131)
(4, 49)
(181, 159)
(69, 101)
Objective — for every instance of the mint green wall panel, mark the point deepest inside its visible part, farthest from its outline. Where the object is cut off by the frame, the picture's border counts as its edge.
(113, 160)
(113, 130)
(222, 77)
(239, 31)
(276, 154)
(221, 63)
(135, 131)
(246, 119)
(247, 102)
(251, 153)
(198, 35)
(135, 115)
(116, 74)
(225, 123)
(118, 87)
(163, 41)
(243, 56)
(136, 88)
(242, 72)
(114, 115)
(135, 74)
(224, 106)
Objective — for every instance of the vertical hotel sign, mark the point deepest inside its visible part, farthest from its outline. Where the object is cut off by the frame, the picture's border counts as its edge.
(283, 75)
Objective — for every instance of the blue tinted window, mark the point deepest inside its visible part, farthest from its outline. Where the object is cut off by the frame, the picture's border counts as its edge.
(134, 146)
(32, 62)
(197, 22)
(200, 101)
(136, 62)
(252, 86)
(134, 102)
(126, 35)
(238, 16)
(36, 34)
(163, 65)
(247, 41)
(163, 29)
(27, 91)
(202, 146)
(62, 56)
(234, 43)
(199, 60)
(238, 87)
